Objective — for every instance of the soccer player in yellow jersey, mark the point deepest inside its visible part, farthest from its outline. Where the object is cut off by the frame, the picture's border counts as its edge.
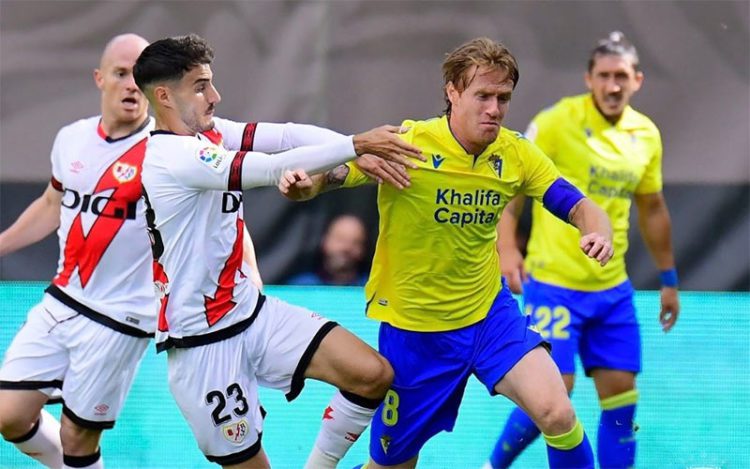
(613, 153)
(435, 282)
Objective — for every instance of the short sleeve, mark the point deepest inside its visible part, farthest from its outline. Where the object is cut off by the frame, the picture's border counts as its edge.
(651, 182)
(542, 132)
(355, 177)
(56, 160)
(538, 171)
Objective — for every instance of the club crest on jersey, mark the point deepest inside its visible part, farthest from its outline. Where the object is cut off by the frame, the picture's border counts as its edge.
(211, 157)
(497, 164)
(235, 432)
(124, 172)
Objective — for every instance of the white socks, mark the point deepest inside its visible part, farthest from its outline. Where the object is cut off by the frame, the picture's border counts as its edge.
(43, 441)
(344, 420)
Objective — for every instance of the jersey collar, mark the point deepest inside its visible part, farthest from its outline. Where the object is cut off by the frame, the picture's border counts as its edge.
(457, 147)
(100, 131)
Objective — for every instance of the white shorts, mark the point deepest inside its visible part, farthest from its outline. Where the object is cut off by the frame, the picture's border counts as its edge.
(216, 385)
(58, 349)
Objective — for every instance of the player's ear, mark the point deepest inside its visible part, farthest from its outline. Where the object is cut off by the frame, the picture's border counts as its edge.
(587, 80)
(162, 96)
(452, 93)
(98, 78)
(638, 80)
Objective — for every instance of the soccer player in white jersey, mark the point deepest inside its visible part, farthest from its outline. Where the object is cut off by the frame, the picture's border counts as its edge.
(222, 335)
(84, 341)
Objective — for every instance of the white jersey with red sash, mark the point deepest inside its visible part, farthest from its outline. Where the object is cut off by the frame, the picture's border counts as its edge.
(105, 266)
(198, 234)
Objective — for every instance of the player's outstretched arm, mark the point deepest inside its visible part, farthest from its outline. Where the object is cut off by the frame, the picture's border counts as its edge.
(511, 259)
(656, 229)
(39, 219)
(596, 230)
(259, 169)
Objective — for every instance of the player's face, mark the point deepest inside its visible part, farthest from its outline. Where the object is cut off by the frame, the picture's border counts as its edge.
(613, 81)
(121, 98)
(344, 245)
(196, 99)
(478, 111)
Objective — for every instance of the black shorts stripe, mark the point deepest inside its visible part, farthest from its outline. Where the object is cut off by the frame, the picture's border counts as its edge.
(239, 457)
(84, 310)
(31, 385)
(298, 378)
(211, 337)
(88, 424)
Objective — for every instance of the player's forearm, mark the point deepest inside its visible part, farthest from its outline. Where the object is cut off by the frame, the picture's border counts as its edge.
(299, 135)
(590, 218)
(36, 222)
(656, 229)
(264, 170)
(272, 138)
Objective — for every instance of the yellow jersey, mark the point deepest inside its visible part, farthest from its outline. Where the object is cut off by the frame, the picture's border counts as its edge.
(436, 264)
(609, 163)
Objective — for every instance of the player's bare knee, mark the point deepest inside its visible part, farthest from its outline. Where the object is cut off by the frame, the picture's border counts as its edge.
(15, 424)
(376, 376)
(556, 418)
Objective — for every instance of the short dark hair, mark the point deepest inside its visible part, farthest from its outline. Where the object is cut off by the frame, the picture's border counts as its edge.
(170, 58)
(614, 44)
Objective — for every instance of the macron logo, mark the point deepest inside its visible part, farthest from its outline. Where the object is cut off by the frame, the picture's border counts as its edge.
(437, 160)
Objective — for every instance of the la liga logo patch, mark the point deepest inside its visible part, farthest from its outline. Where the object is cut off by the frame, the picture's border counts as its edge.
(208, 154)
(212, 157)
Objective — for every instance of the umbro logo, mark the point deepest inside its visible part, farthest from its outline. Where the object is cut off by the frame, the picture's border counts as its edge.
(437, 160)
(76, 167)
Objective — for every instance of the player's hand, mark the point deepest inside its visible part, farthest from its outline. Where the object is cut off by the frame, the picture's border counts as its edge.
(296, 185)
(597, 246)
(511, 266)
(385, 143)
(382, 171)
(670, 308)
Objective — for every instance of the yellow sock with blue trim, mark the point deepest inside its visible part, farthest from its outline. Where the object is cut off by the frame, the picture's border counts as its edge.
(570, 450)
(616, 440)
